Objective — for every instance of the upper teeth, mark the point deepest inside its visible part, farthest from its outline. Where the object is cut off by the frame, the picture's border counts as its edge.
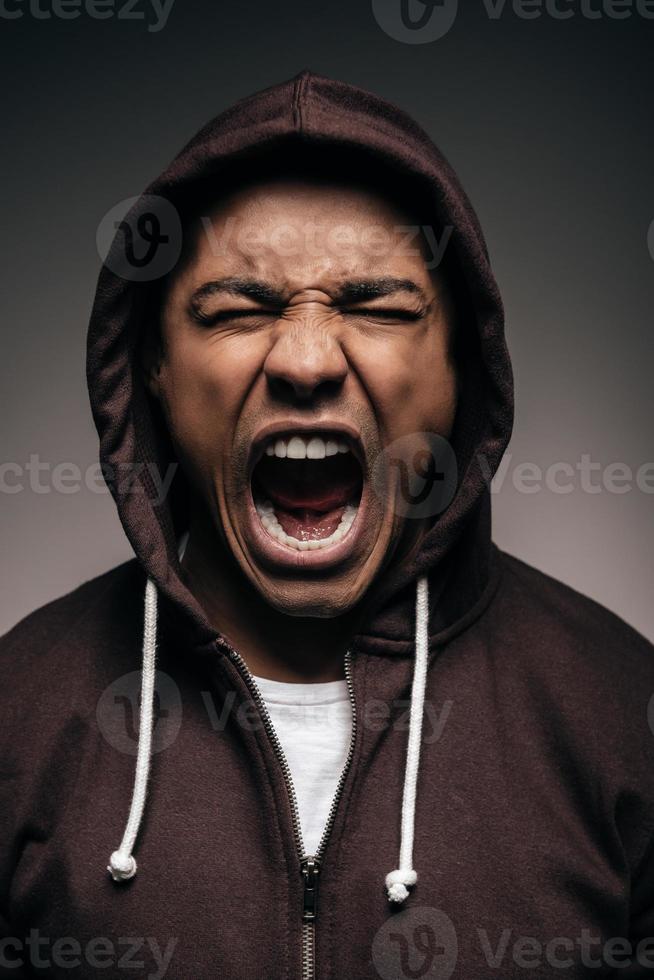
(297, 447)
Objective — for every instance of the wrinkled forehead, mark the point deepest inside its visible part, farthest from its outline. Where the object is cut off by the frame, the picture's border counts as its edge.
(314, 200)
(300, 232)
(301, 229)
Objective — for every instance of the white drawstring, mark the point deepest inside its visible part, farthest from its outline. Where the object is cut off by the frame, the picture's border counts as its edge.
(121, 863)
(399, 881)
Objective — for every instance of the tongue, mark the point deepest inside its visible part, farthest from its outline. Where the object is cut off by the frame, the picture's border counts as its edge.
(307, 525)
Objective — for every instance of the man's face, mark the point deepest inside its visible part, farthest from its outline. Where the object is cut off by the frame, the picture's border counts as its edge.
(303, 335)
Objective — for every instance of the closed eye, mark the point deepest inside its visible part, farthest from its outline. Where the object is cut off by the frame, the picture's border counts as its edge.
(371, 313)
(226, 316)
(384, 313)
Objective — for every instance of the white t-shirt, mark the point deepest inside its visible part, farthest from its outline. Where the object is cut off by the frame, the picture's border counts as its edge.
(314, 725)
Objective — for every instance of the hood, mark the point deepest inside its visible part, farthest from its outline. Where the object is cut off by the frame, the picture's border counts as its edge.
(456, 553)
(452, 575)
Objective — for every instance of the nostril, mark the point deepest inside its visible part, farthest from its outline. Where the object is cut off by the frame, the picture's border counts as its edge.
(304, 367)
(290, 390)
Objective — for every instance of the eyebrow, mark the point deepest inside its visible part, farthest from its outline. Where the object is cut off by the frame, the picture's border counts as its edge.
(350, 291)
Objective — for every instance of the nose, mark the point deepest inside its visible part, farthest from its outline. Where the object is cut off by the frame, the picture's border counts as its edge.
(306, 361)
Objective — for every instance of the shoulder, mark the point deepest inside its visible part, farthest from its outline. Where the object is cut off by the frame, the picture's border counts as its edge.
(54, 666)
(588, 677)
(64, 631)
(581, 668)
(558, 617)
(581, 663)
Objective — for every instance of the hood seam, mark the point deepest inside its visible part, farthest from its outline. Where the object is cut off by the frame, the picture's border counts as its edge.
(298, 96)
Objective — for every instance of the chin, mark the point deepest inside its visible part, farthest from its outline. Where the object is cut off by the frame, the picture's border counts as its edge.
(307, 601)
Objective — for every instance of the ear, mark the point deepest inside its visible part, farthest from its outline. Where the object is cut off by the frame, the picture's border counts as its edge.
(152, 360)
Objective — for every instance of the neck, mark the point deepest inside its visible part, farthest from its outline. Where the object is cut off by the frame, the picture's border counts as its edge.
(280, 647)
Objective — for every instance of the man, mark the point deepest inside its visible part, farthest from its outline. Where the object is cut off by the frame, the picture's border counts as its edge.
(323, 372)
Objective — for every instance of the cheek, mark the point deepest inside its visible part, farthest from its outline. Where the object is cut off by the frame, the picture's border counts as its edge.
(411, 384)
(438, 399)
(204, 383)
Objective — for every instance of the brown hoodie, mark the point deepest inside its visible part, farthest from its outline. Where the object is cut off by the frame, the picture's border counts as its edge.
(534, 808)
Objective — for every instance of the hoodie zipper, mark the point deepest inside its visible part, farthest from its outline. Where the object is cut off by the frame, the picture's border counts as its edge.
(309, 864)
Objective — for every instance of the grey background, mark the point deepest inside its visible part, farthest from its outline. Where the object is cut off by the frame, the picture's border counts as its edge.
(548, 123)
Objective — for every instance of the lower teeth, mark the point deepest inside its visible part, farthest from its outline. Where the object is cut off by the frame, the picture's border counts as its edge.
(273, 527)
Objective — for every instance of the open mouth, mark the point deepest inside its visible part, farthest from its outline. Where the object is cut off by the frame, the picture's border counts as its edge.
(307, 489)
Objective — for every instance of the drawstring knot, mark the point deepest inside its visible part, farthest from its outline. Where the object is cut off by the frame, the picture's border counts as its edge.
(398, 883)
(121, 866)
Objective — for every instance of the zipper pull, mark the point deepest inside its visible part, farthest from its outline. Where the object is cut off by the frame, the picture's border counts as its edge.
(310, 867)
